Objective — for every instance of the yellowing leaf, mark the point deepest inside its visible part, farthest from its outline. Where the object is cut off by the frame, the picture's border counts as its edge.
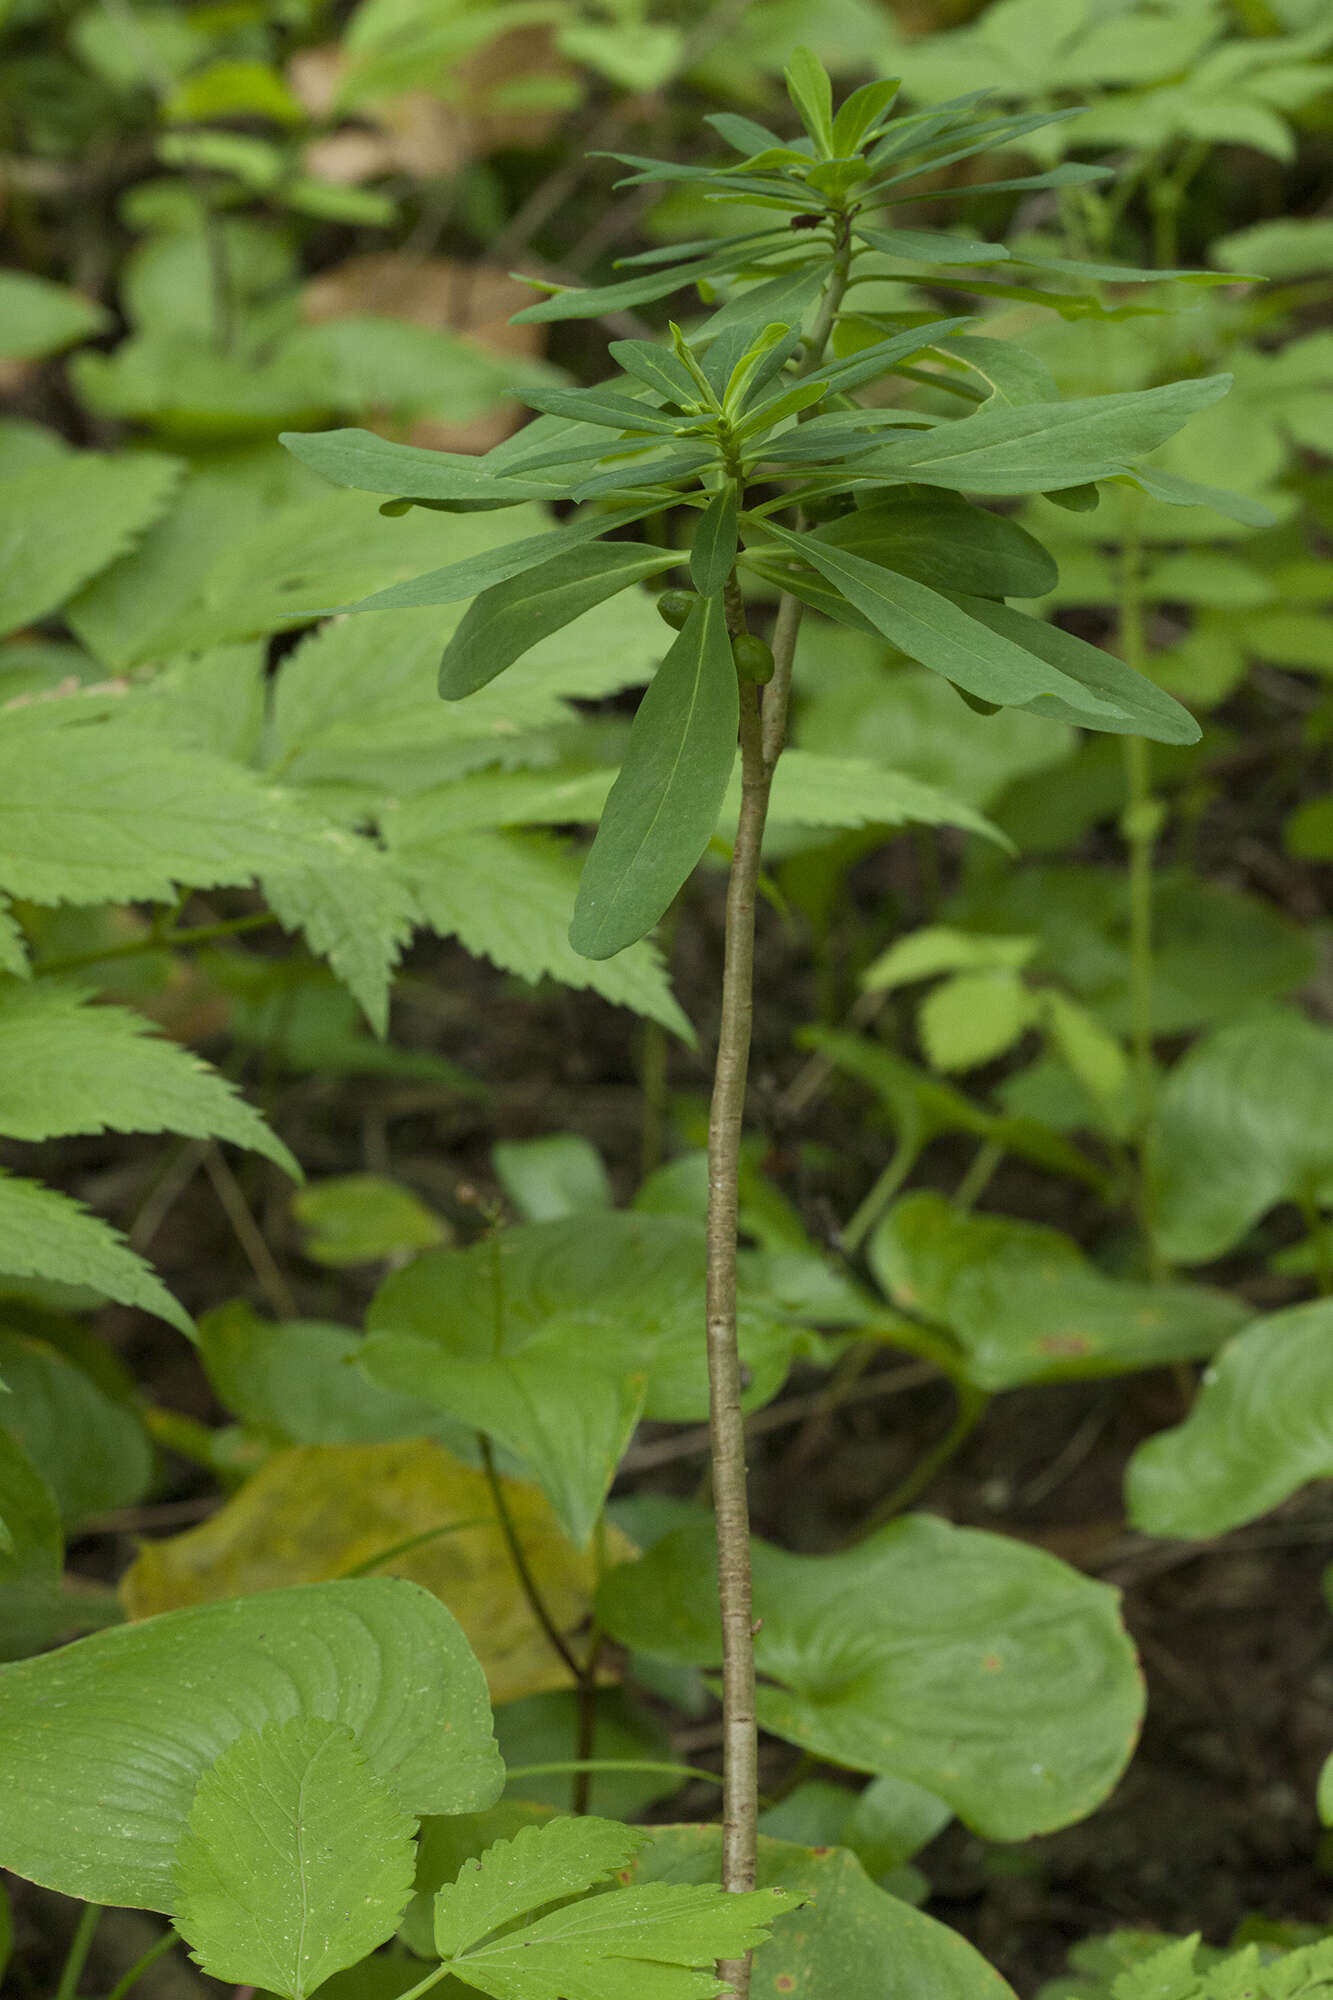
(322, 1511)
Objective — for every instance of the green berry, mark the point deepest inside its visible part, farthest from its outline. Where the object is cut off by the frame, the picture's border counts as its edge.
(753, 657)
(675, 606)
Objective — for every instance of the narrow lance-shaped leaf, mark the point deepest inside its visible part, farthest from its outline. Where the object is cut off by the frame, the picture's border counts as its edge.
(507, 620)
(374, 465)
(474, 574)
(663, 807)
(934, 630)
(714, 549)
(811, 91)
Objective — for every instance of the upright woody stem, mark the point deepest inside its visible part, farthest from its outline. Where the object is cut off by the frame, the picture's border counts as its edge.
(762, 732)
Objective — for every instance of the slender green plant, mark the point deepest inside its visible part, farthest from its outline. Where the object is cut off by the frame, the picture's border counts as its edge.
(750, 429)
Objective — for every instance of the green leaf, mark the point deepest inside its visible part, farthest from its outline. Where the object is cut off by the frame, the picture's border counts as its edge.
(653, 1940)
(567, 1427)
(1025, 1305)
(811, 91)
(1159, 484)
(1241, 1128)
(49, 1235)
(877, 359)
(509, 618)
(932, 246)
(657, 368)
(105, 1741)
(1042, 447)
(620, 1293)
(362, 1219)
(90, 1448)
(1143, 708)
(936, 948)
(1171, 1974)
(604, 407)
(31, 1560)
(509, 897)
(1259, 1429)
(67, 1066)
(69, 517)
(860, 114)
(541, 1864)
(38, 318)
(932, 629)
(869, 1657)
(559, 1174)
(814, 790)
(974, 1017)
(943, 541)
(714, 549)
(373, 465)
(850, 1939)
(354, 906)
(296, 1861)
(293, 1383)
(663, 808)
(491, 566)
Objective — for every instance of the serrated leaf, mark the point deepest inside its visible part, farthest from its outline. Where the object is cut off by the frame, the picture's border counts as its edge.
(296, 1860)
(68, 518)
(540, 1864)
(48, 1235)
(509, 618)
(1045, 446)
(1025, 1305)
(1258, 1431)
(849, 1938)
(354, 906)
(652, 1940)
(509, 897)
(67, 1066)
(404, 1508)
(810, 789)
(662, 810)
(714, 548)
(868, 1658)
(105, 1741)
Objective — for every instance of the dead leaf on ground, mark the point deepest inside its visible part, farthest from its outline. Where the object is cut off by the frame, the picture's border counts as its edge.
(322, 1511)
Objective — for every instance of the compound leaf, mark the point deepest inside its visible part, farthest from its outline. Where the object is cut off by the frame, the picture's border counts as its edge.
(48, 1235)
(296, 1860)
(67, 518)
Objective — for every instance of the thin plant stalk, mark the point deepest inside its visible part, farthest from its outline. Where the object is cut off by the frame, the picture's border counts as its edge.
(763, 724)
(157, 1949)
(79, 1947)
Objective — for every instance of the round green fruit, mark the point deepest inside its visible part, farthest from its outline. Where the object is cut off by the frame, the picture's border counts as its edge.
(675, 606)
(753, 657)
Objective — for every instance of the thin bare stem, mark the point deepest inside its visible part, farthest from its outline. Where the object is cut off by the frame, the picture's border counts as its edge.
(762, 732)
(79, 1946)
(517, 1555)
(250, 1236)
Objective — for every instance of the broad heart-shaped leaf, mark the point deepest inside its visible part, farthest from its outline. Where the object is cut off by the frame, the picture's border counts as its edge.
(1025, 1305)
(104, 1742)
(1043, 447)
(848, 1939)
(933, 629)
(92, 1450)
(66, 1066)
(652, 1940)
(1243, 1125)
(869, 1658)
(509, 897)
(568, 1427)
(296, 1860)
(509, 618)
(620, 1293)
(662, 810)
(404, 1509)
(294, 1383)
(1261, 1426)
(67, 518)
(945, 542)
(48, 1235)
